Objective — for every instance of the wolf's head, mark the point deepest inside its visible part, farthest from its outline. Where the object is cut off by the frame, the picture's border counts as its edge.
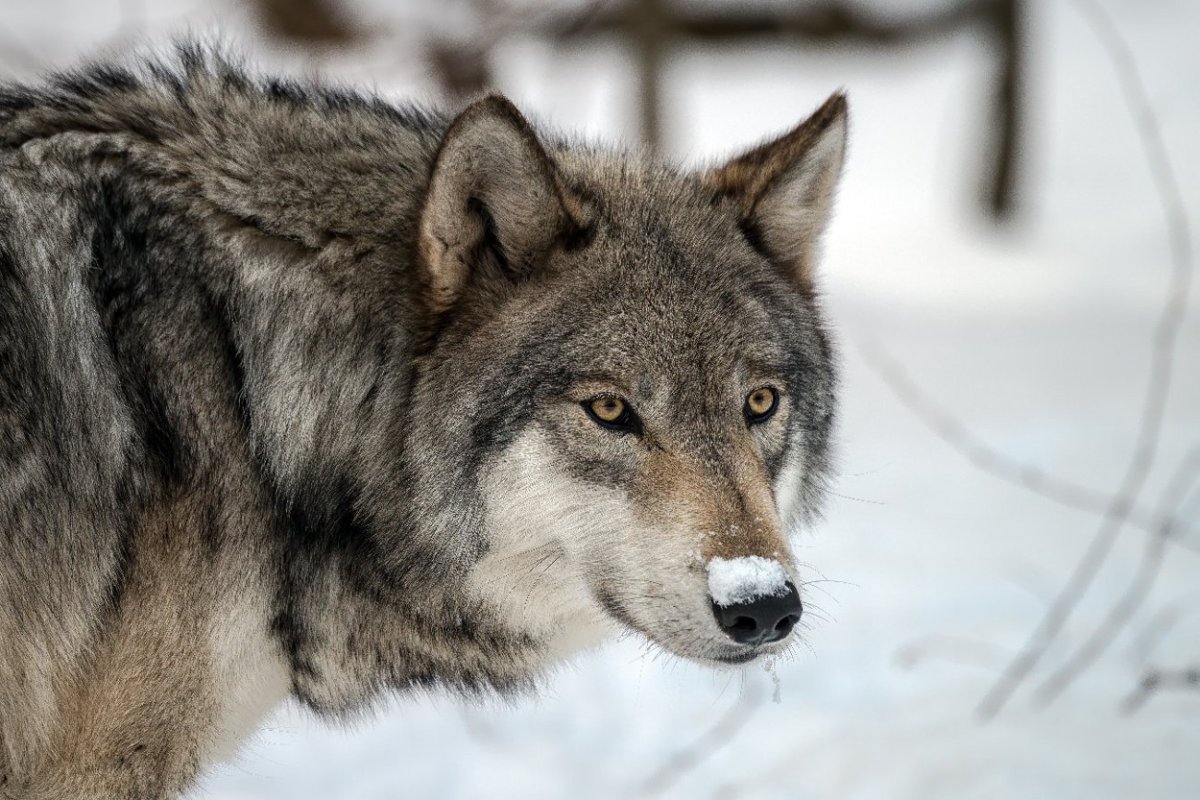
(627, 386)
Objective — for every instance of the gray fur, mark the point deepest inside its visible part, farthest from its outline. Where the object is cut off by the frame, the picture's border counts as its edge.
(290, 391)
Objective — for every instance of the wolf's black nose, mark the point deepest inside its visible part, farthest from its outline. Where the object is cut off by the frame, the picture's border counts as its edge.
(762, 620)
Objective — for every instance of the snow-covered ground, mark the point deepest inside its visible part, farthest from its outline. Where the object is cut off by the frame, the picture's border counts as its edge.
(930, 573)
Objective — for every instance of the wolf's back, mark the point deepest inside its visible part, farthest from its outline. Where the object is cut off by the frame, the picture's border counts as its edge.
(125, 195)
(271, 153)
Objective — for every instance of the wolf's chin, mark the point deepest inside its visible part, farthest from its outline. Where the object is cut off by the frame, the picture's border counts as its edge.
(731, 656)
(748, 655)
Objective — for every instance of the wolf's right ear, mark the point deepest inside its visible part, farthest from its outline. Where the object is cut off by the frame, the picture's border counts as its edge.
(493, 192)
(784, 189)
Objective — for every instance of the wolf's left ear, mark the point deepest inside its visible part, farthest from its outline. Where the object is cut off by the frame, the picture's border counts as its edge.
(495, 196)
(784, 189)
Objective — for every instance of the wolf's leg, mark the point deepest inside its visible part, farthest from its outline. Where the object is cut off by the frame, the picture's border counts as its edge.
(136, 730)
(137, 724)
(138, 775)
(136, 733)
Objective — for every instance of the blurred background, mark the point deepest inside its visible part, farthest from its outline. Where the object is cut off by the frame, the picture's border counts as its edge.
(1005, 598)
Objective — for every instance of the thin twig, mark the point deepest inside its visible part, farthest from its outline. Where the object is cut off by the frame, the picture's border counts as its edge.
(1162, 359)
(1155, 680)
(988, 459)
(725, 728)
(1154, 631)
(1175, 503)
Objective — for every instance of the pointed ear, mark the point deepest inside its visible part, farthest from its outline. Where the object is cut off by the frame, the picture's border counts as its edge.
(784, 189)
(494, 193)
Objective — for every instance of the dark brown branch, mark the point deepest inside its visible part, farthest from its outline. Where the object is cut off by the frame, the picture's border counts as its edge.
(812, 22)
(1000, 182)
(307, 22)
(462, 69)
(462, 65)
(648, 19)
(651, 26)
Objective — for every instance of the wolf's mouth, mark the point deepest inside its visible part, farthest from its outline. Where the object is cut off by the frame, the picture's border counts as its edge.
(739, 658)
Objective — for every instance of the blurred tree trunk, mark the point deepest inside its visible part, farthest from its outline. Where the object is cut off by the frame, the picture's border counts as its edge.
(651, 26)
(306, 22)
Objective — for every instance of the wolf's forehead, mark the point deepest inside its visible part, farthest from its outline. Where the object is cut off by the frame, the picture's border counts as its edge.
(669, 285)
(665, 300)
(667, 345)
(647, 198)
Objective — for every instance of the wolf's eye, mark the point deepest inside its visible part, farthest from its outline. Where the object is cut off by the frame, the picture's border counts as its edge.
(611, 412)
(760, 405)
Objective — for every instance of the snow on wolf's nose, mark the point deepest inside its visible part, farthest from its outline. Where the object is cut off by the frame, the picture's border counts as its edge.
(752, 599)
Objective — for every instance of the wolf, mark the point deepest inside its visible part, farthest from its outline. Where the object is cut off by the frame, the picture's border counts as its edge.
(303, 393)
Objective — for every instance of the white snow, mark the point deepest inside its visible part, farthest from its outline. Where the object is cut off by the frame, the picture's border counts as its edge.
(746, 578)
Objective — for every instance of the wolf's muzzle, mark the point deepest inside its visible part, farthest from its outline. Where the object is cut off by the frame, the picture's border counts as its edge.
(762, 620)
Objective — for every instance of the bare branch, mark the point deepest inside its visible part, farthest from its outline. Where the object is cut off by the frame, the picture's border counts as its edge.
(1155, 681)
(306, 22)
(987, 459)
(725, 728)
(1162, 358)
(651, 27)
(1153, 551)
(462, 64)
(836, 21)
(1154, 631)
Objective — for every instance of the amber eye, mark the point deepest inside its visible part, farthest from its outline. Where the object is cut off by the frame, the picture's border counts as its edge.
(760, 405)
(613, 413)
(607, 409)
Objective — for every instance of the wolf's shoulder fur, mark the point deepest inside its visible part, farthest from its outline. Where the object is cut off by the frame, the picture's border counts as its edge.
(234, 136)
(299, 391)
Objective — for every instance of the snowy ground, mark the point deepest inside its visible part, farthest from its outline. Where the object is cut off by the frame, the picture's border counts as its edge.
(1037, 336)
